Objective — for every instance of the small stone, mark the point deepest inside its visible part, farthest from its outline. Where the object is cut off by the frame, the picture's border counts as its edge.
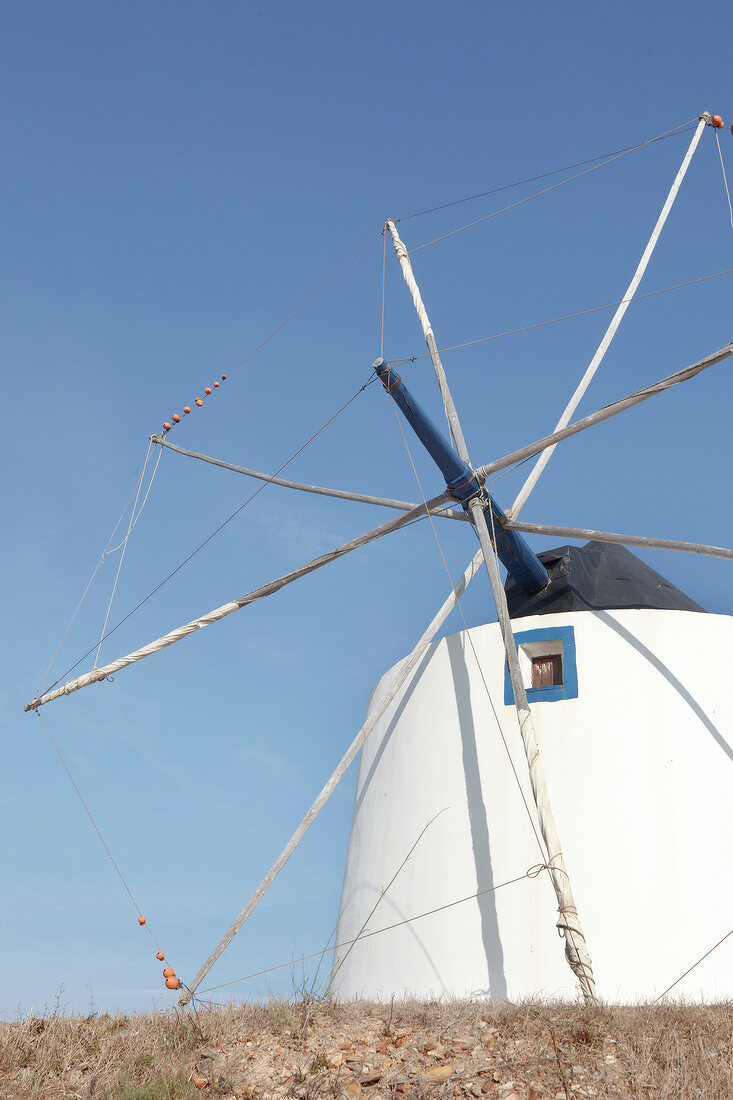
(438, 1072)
(463, 1042)
(507, 1092)
(353, 1089)
(201, 1082)
(371, 1079)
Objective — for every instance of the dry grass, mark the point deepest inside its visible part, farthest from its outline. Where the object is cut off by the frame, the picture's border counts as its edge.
(317, 1051)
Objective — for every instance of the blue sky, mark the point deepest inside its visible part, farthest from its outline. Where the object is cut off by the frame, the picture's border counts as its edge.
(178, 178)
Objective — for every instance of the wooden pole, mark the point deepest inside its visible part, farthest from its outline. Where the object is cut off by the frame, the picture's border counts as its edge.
(450, 410)
(98, 674)
(406, 670)
(576, 951)
(341, 494)
(482, 472)
(615, 322)
(569, 923)
(623, 540)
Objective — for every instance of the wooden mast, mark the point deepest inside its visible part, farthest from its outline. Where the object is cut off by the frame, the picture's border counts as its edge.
(476, 503)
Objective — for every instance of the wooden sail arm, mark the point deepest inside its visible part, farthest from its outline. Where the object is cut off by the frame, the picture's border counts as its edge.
(320, 490)
(614, 537)
(450, 410)
(219, 613)
(405, 671)
(607, 411)
(618, 316)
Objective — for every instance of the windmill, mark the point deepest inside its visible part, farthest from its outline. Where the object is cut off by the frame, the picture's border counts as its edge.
(465, 498)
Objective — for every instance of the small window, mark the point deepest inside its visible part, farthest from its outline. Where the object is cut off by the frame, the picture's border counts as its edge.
(541, 663)
(547, 663)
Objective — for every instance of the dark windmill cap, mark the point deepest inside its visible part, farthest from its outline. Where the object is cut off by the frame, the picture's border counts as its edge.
(597, 576)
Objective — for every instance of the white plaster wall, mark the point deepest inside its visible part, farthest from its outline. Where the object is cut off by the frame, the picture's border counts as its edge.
(640, 773)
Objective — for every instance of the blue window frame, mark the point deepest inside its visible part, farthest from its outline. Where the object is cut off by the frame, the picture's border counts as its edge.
(569, 687)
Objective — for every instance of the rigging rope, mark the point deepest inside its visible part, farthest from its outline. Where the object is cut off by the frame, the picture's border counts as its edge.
(384, 283)
(122, 555)
(725, 180)
(691, 968)
(531, 872)
(208, 391)
(553, 172)
(528, 198)
(563, 317)
(219, 613)
(105, 553)
(218, 529)
(142, 920)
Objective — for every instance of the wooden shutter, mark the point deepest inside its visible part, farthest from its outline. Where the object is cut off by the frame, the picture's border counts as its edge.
(547, 671)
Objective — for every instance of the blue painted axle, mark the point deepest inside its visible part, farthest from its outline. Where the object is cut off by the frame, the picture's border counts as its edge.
(514, 552)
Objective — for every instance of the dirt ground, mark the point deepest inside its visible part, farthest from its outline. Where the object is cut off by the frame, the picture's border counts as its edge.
(314, 1050)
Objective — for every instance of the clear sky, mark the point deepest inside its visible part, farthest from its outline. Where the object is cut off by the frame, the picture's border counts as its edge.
(177, 179)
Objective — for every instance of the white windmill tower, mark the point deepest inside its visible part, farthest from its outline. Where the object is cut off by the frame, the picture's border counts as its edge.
(594, 710)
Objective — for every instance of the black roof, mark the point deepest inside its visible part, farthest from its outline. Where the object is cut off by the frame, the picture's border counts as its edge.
(596, 576)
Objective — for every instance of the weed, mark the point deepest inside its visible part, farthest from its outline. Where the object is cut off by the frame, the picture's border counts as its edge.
(279, 1018)
(117, 1023)
(167, 1088)
(223, 1087)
